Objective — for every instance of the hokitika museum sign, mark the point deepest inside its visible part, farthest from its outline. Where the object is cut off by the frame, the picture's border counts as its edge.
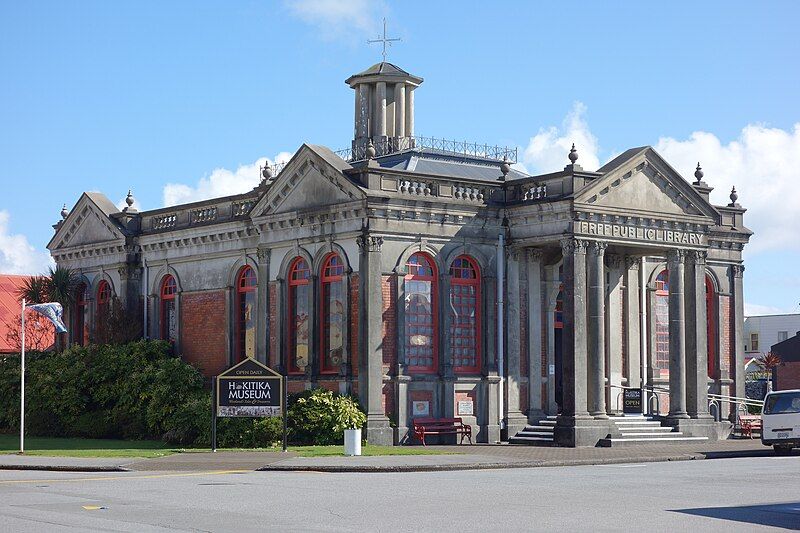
(249, 389)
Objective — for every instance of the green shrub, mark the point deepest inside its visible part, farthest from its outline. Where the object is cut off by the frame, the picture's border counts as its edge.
(319, 416)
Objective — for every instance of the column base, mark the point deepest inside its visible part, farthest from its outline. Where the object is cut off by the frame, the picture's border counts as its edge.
(515, 422)
(693, 427)
(378, 431)
(573, 432)
(535, 415)
(492, 433)
(677, 416)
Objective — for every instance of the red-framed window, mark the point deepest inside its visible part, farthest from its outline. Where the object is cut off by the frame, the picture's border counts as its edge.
(465, 314)
(79, 333)
(333, 314)
(421, 305)
(246, 284)
(661, 301)
(711, 320)
(168, 326)
(103, 298)
(299, 295)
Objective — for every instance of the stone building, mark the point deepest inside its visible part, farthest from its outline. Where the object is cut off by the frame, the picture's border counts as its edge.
(375, 271)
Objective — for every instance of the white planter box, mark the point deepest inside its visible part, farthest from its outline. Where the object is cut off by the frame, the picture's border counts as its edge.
(352, 442)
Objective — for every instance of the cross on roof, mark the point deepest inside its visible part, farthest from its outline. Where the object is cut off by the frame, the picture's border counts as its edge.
(384, 40)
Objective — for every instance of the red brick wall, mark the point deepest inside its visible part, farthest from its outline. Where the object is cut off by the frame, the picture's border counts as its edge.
(388, 400)
(204, 331)
(726, 346)
(354, 322)
(274, 349)
(787, 375)
(389, 289)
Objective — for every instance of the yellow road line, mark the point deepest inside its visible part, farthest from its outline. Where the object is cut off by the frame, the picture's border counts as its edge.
(149, 476)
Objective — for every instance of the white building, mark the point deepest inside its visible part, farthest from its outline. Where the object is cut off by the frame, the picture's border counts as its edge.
(761, 332)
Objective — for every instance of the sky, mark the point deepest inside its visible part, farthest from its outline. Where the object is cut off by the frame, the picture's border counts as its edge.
(183, 100)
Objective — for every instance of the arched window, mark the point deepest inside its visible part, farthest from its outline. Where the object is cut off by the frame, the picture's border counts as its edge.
(333, 314)
(661, 296)
(79, 333)
(101, 315)
(168, 317)
(246, 284)
(711, 320)
(421, 336)
(465, 314)
(298, 307)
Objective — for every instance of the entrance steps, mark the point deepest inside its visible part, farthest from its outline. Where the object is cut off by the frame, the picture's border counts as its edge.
(638, 430)
(627, 431)
(539, 435)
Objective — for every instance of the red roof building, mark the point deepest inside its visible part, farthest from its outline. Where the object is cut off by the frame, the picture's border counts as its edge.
(9, 312)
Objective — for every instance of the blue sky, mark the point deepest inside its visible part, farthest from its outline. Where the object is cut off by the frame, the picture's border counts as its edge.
(108, 96)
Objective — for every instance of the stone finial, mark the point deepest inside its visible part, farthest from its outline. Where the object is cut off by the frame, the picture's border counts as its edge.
(698, 174)
(733, 197)
(129, 199)
(370, 151)
(573, 154)
(266, 171)
(505, 168)
(64, 212)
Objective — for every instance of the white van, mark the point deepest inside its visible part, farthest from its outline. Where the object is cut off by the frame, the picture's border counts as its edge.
(780, 421)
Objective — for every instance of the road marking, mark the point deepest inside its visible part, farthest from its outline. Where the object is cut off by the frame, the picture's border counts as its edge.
(624, 466)
(93, 507)
(150, 476)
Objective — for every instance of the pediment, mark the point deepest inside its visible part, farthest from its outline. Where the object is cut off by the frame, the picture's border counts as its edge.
(85, 225)
(310, 180)
(645, 185)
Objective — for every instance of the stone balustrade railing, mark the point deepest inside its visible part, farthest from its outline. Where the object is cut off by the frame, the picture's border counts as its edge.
(204, 214)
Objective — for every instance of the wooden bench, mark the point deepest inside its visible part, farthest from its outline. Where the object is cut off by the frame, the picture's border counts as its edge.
(441, 426)
(747, 424)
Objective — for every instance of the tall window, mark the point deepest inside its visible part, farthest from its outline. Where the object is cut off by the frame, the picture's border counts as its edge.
(103, 299)
(246, 284)
(465, 314)
(333, 313)
(299, 296)
(662, 324)
(420, 314)
(711, 321)
(79, 333)
(754, 342)
(169, 319)
(558, 314)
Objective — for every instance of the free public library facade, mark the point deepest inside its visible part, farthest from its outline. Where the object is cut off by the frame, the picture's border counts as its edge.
(375, 272)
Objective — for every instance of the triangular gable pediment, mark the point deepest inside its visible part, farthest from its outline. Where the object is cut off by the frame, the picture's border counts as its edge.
(645, 184)
(86, 224)
(311, 179)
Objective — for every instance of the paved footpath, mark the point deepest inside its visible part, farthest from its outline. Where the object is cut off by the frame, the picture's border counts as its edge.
(456, 458)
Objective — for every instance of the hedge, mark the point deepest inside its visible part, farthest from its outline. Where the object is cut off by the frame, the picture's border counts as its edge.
(140, 391)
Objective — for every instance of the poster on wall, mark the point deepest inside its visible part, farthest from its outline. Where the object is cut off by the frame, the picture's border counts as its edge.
(465, 408)
(420, 408)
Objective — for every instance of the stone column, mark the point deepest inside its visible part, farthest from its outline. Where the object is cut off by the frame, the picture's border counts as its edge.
(677, 335)
(535, 400)
(573, 354)
(380, 110)
(371, 345)
(614, 331)
(515, 420)
(409, 112)
(400, 110)
(632, 319)
(737, 364)
(492, 394)
(596, 330)
(262, 306)
(696, 337)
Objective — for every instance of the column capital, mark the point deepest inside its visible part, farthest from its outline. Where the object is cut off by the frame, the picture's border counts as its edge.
(676, 257)
(571, 245)
(535, 254)
(598, 247)
(615, 261)
(738, 271)
(514, 253)
(369, 243)
(698, 257)
(263, 255)
(632, 262)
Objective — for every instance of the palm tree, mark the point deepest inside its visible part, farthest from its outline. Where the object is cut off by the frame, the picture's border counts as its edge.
(35, 290)
(62, 286)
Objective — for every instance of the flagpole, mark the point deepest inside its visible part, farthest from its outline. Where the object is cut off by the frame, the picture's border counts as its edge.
(22, 387)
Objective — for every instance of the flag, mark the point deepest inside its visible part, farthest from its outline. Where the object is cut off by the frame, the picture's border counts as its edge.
(53, 312)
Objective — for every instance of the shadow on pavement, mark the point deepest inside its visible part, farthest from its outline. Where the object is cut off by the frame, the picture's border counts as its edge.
(785, 515)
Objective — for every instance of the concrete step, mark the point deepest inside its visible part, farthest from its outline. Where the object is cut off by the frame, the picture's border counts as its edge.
(531, 441)
(646, 429)
(539, 428)
(526, 433)
(639, 441)
(547, 422)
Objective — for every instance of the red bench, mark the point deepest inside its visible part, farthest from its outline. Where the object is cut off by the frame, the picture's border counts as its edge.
(441, 426)
(748, 424)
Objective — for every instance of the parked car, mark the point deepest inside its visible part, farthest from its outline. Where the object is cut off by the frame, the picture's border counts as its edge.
(781, 421)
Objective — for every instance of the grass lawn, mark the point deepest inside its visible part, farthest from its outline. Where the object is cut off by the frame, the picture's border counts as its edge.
(68, 447)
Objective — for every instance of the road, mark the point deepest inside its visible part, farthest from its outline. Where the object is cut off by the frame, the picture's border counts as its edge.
(710, 495)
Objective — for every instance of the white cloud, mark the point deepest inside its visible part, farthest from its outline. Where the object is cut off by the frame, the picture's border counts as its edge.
(547, 151)
(340, 18)
(17, 256)
(759, 310)
(221, 182)
(763, 165)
